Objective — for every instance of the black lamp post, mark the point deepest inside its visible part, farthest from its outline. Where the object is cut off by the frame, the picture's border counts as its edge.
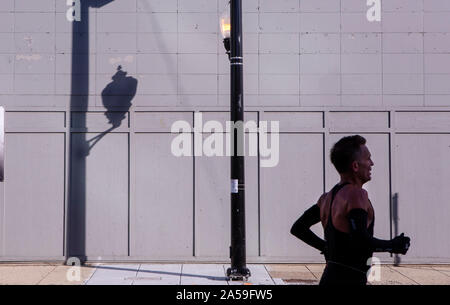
(231, 27)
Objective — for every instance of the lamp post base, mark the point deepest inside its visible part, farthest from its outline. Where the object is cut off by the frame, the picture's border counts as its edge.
(238, 274)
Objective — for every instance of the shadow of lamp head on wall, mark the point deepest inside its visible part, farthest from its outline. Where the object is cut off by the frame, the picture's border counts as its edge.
(118, 93)
(116, 98)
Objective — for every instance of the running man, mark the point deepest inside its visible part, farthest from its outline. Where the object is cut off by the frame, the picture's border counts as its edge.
(348, 218)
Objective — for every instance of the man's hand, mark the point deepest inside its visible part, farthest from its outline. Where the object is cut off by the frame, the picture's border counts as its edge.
(400, 244)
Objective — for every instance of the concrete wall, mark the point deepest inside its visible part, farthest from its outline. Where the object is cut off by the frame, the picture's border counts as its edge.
(319, 67)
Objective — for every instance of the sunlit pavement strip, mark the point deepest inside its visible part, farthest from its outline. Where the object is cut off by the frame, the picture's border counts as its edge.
(158, 274)
(204, 274)
(23, 274)
(389, 276)
(443, 269)
(174, 274)
(41, 274)
(269, 274)
(424, 275)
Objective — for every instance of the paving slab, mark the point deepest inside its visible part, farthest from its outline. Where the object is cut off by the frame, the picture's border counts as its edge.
(24, 274)
(112, 274)
(67, 275)
(278, 281)
(316, 269)
(258, 276)
(292, 274)
(390, 276)
(440, 267)
(445, 269)
(97, 282)
(203, 274)
(158, 274)
(423, 275)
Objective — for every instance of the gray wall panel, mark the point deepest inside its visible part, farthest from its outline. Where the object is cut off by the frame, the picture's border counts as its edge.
(160, 121)
(213, 206)
(287, 190)
(423, 172)
(105, 193)
(34, 195)
(100, 121)
(295, 121)
(224, 117)
(34, 121)
(162, 217)
(423, 121)
(358, 121)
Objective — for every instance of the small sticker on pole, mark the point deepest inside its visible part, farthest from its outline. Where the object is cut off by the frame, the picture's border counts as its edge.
(234, 186)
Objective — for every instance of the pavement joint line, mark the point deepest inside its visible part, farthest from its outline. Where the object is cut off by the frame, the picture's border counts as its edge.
(136, 276)
(47, 274)
(306, 266)
(390, 267)
(90, 277)
(181, 273)
(271, 278)
(225, 273)
(440, 271)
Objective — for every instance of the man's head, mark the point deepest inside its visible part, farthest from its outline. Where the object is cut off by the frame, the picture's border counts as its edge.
(350, 156)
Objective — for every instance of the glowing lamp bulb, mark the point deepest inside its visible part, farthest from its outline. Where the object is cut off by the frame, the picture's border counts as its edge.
(225, 24)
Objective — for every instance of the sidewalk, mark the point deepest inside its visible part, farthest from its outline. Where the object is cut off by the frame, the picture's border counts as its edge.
(204, 274)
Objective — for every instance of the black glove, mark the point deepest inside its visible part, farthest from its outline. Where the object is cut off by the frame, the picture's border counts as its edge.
(400, 244)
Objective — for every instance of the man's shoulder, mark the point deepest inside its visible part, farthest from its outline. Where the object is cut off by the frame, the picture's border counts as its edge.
(356, 197)
(354, 190)
(321, 200)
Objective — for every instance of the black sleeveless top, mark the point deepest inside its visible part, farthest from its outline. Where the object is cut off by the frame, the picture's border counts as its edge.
(342, 249)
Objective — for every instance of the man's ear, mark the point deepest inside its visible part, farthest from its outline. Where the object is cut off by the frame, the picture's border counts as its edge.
(355, 166)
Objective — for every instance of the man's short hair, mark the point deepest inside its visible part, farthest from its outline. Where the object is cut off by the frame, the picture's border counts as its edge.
(345, 151)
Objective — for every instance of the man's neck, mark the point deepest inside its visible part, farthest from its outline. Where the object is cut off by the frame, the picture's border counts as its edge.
(350, 179)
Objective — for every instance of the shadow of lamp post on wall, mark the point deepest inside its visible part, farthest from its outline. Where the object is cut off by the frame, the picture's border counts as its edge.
(75, 224)
(231, 28)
